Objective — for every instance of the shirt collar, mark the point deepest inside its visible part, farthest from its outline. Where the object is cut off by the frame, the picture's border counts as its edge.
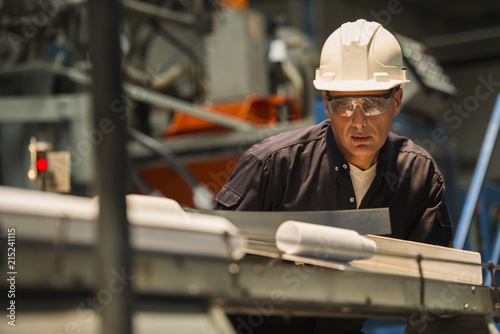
(337, 161)
(340, 164)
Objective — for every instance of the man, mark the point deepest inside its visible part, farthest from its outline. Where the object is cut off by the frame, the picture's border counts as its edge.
(351, 160)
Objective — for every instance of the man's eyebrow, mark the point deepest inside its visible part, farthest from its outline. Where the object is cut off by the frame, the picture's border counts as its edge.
(386, 95)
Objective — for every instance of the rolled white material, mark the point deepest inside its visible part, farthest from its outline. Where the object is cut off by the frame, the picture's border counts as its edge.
(323, 242)
(161, 205)
(156, 224)
(45, 204)
(168, 228)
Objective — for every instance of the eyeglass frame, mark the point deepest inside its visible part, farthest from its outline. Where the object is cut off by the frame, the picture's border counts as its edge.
(385, 96)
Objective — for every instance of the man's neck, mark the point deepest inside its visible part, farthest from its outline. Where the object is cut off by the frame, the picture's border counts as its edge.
(362, 163)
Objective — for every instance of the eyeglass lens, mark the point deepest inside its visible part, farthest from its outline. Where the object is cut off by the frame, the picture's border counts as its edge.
(370, 106)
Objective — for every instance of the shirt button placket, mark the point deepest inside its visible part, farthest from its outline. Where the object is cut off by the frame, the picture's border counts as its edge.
(352, 201)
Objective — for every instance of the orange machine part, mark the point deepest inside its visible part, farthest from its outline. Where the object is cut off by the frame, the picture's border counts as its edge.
(212, 173)
(236, 4)
(256, 109)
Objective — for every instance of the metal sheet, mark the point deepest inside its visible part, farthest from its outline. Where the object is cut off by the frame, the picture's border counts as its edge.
(263, 225)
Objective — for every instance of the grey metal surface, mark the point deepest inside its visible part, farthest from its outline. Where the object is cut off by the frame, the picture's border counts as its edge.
(259, 286)
(246, 285)
(263, 225)
(31, 109)
(235, 57)
(173, 318)
(260, 227)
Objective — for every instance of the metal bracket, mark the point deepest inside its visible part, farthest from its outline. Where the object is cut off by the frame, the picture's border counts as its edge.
(494, 289)
(59, 252)
(422, 281)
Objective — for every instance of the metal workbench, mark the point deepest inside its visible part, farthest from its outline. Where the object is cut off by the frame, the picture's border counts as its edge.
(182, 292)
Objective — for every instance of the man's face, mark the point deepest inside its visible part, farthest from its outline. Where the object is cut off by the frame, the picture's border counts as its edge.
(360, 137)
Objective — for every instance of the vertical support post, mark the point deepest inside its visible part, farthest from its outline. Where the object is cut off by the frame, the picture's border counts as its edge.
(478, 177)
(113, 250)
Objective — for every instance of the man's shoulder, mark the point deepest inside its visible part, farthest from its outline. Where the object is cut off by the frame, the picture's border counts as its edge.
(290, 140)
(406, 145)
(409, 150)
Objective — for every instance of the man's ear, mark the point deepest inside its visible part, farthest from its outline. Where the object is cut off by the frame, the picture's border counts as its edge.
(326, 103)
(398, 99)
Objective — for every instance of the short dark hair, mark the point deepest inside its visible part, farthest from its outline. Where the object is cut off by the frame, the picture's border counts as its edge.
(396, 88)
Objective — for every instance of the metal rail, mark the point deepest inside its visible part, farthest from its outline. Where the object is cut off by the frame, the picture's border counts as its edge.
(478, 177)
(157, 12)
(158, 99)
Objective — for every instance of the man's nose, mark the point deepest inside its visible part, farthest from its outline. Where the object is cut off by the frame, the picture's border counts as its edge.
(358, 117)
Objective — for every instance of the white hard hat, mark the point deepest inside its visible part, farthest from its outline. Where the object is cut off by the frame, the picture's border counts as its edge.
(360, 56)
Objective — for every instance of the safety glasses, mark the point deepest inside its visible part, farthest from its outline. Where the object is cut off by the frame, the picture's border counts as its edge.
(370, 105)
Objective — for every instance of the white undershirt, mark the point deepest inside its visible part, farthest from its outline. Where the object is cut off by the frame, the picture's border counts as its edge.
(361, 180)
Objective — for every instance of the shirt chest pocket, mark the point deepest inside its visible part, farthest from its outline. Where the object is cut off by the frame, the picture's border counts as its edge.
(228, 197)
(443, 216)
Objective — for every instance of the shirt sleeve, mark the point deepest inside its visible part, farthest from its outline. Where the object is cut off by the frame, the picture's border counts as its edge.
(435, 226)
(245, 189)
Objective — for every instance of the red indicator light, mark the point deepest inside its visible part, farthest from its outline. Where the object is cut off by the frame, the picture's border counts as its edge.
(41, 164)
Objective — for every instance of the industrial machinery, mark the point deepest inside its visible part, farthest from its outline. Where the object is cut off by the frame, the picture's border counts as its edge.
(216, 71)
(258, 76)
(203, 81)
(193, 268)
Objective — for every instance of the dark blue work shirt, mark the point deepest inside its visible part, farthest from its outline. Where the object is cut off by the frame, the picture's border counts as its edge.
(303, 170)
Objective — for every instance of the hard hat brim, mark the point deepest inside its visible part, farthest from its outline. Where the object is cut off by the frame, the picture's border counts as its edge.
(357, 85)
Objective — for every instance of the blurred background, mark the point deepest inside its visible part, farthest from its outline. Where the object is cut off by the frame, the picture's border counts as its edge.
(206, 79)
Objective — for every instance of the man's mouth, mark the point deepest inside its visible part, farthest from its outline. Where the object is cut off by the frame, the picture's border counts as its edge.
(360, 139)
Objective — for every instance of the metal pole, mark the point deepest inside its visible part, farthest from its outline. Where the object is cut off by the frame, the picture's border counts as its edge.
(157, 12)
(494, 257)
(478, 177)
(113, 250)
(139, 93)
(155, 98)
